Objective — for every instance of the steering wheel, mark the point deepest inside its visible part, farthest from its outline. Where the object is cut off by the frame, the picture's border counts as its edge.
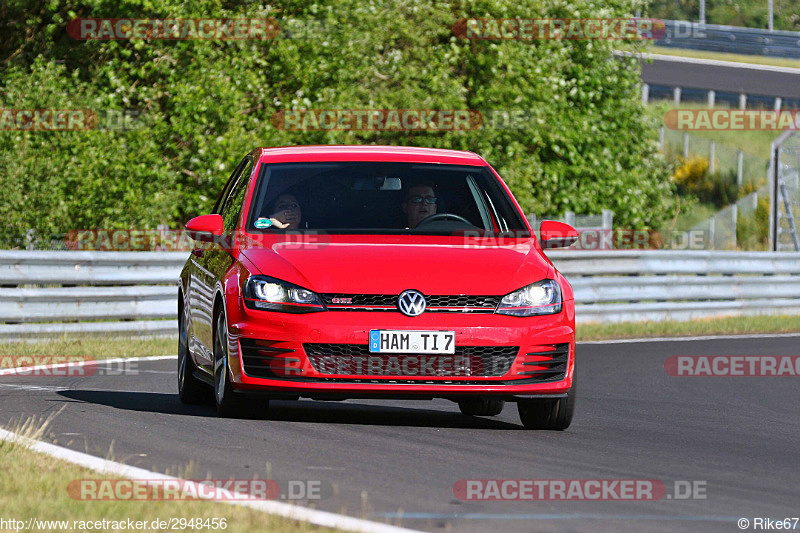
(443, 216)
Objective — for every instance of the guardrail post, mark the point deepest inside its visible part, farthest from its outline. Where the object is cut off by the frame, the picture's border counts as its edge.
(608, 219)
(661, 138)
(711, 98)
(769, 15)
(676, 95)
(645, 93)
(739, 166)
(569, 217)
(742, 101)
(686, 146)
(712, 230)
(711, 157)
(778, 103)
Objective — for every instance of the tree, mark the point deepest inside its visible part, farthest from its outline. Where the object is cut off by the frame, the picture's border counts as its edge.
(580, 139)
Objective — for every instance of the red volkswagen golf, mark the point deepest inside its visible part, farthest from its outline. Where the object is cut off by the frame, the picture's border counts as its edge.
(334, 272)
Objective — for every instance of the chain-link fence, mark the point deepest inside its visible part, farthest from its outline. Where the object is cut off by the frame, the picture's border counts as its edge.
(718, 232)
(742, 167)
(785, 184)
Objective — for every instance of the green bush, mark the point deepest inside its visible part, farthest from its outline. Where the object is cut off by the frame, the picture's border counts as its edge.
(752, 232)
(588, 145)
(693, 178)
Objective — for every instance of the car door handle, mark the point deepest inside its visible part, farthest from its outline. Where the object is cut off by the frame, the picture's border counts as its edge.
(197, 252)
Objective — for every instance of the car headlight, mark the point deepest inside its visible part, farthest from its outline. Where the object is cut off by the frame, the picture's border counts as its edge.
(263, 292)
(540, 298)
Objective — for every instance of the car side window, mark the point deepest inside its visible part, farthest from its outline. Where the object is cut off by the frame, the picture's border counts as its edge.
(227, 189)
(232, 205)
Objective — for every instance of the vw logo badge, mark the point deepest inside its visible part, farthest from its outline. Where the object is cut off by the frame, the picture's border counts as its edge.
(411, 303)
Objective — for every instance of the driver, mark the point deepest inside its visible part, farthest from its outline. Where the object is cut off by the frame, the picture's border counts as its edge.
(420, 203)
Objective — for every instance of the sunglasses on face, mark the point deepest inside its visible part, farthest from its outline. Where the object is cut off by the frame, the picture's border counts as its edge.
(281, 207)
(419, 199)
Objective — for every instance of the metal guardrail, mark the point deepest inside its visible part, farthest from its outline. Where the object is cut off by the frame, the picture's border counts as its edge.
(619, 286)
(730, 39)
(49, 294)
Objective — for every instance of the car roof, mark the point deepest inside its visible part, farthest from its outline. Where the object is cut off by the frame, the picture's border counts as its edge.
(406, 154)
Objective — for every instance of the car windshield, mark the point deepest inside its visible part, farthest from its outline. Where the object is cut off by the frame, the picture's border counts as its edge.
(379, 197)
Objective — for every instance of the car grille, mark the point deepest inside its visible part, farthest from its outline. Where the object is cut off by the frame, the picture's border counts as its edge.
(547, 365)
(388, 302)
(356, 360)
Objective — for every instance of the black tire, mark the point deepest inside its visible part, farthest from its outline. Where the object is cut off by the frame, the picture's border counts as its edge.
(230, 404)
(555, 414)
(191, 390)
(481, 406)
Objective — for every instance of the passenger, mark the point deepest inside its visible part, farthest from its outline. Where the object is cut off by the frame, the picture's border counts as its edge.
(286, 214)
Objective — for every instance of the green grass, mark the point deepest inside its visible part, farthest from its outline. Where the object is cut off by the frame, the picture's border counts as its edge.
(717, 326)
(37, 488)
(720, 56)
(87, 347)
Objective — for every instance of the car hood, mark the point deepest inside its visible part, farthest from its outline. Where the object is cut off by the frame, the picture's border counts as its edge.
(381, 267)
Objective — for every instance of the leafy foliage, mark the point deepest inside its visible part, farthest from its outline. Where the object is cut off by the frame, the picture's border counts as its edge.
(752, 233)
(692, 177)
(586, 144)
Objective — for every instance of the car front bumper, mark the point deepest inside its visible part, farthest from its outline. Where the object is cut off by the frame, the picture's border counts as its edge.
(270, 354)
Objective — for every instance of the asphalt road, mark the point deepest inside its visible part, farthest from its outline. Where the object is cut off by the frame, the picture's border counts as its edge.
(737, 435)
(746, 79)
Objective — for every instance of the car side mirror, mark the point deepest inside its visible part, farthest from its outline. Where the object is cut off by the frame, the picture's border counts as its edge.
(205, 227)
(554, 234)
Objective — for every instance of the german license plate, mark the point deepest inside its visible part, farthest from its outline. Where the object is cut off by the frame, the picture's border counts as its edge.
(397, 341)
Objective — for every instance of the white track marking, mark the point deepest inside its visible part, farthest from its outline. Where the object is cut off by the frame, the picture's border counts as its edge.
(294, 512)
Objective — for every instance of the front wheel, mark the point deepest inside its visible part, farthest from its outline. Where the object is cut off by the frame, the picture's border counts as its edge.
(191, 390)
(229, 403)
(544, 413)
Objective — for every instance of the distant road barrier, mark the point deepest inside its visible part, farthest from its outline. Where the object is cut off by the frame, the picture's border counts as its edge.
(731, 39)
(49, 294)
